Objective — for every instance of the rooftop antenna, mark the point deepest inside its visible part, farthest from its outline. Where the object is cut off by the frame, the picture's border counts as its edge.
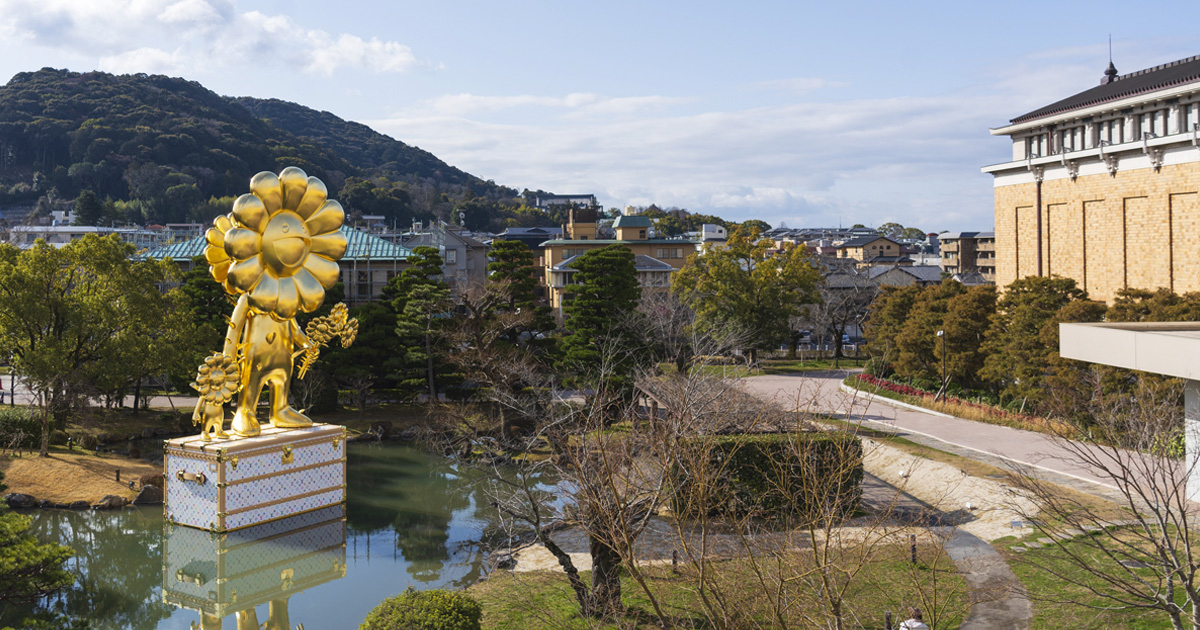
(1110, 74)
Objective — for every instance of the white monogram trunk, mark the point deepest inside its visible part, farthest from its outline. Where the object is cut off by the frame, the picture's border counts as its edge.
(230, 484)
(220, 574)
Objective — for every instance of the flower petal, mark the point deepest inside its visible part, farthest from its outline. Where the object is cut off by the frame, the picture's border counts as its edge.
(265, 294)
(314, 196)
(220, 270)
(241, 243)
(332, 246)
(266, 186)
(294, 182)
(289, 299)
(251, 212)
(223, 223)
(324, 270)
(327, 219)
(215, 237)
(312, 294)
(243, 275)
(214, 254)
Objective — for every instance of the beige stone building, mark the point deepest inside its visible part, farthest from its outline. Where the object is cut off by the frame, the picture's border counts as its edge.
(656, 259)
(967, 252)
(874, 250)
(1104, 186)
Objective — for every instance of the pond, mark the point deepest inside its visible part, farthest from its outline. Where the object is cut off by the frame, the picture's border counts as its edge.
(412, 519)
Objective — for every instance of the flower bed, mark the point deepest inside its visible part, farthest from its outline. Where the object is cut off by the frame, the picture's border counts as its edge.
(953, 406)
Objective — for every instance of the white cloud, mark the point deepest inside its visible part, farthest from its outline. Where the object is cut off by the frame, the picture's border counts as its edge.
(180, 36)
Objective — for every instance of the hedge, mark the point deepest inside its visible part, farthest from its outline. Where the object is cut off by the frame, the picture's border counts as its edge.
(800, 474)
(19, 427)
(425, 610)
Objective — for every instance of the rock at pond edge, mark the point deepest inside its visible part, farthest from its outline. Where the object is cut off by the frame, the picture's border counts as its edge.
(18, 500)
(149, 495)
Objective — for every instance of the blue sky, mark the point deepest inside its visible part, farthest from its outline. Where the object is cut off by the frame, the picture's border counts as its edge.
(803, 112)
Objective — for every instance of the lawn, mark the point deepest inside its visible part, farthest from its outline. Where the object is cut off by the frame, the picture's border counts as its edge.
(889, 582)
(1051, 594)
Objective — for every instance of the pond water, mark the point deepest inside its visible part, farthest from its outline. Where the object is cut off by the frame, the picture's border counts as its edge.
(412, 519)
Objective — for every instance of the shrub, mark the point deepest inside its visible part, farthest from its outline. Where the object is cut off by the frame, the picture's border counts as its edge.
(151, 480)
(811, 475)
(89, 442)
(425, 610)
(19, 427)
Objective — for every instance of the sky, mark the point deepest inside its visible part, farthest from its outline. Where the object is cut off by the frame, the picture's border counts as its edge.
(804, 113)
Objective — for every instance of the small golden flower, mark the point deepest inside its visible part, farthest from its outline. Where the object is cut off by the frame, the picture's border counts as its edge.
(217, 379)
(280, 245)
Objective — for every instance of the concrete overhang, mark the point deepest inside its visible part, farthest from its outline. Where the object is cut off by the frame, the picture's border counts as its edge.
(1169, 348)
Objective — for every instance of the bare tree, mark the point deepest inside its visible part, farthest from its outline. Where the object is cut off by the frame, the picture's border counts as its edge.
(1143, 555)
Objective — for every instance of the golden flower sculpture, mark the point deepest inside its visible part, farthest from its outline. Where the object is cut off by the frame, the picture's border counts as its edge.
(217, 381)
(277, 251)
(323, 329)
(280, 245)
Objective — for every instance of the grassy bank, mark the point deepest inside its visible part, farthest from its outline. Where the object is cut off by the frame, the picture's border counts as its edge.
(888, 582)
(956, 407)
(1037, 569)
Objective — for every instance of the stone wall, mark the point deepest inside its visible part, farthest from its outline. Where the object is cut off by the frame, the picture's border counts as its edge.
(1138, 228)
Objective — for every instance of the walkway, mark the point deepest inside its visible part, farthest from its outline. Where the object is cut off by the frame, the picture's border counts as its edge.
(1004, 447)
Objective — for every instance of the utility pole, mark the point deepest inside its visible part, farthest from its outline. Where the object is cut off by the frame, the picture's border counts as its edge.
(942, 390)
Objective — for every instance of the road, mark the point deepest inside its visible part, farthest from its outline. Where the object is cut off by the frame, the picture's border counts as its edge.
(1013, 448)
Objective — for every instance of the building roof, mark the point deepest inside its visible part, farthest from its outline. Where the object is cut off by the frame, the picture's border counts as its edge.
(359, 246)
(641, 262)
(864, 240)
(951, 235)
(526, 231)
(635, 221)
(1126, 85)
(923, 273)
(609, 241)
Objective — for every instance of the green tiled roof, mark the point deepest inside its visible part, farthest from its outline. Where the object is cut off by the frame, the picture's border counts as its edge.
(359, 246)
(625, 221)
(609, 241)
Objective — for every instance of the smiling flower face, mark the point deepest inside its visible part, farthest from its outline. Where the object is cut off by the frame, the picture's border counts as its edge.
(280, 245)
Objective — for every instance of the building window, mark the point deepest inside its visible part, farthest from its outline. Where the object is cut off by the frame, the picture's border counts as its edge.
(641, 233)
(451, 256)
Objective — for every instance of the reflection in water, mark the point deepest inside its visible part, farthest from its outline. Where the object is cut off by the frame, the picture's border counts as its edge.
(230, 575)
(413, 519)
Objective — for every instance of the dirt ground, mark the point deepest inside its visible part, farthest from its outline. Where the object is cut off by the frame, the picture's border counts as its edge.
(72, 476)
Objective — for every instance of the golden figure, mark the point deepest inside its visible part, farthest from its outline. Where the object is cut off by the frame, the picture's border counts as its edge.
(277, 251)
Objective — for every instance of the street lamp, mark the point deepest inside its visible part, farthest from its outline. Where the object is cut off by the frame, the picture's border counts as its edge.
(942, 390)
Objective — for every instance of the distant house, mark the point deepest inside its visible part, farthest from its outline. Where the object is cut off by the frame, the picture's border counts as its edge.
(656, 259)
(545, 202)
(872, 249)
(367, 266)
(464, 259)
(967, 252)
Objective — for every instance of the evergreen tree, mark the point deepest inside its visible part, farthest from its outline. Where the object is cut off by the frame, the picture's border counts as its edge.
(919, 346)
(88, 209)
(885, 321)
(968, 317)
(1017, 359)
(423, 310)
(600, 318)
(512, 273)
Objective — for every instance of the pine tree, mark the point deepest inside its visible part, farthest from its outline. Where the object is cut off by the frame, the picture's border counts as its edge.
(601, 317)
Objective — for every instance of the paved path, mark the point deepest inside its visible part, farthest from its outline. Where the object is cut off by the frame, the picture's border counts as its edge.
(1031, 453)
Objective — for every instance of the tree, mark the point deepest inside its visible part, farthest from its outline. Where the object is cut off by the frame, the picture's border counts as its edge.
(65, 313)
(1140, 554)
(88, 209)
(845, 298)
(1017, 360)
(756, 225)
(423, 307)
(750, 285)
(603, 293)
(512, 273)
(919, 356)
(29, 570)
(967, 319)
(885, 320)
(1161, 305)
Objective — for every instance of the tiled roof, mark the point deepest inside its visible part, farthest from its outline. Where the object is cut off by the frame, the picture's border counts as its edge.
(924, 273)
(608, 241)
(641, 262)
(863, 240)
(624, 221)
(359, 246)
(1126, 85)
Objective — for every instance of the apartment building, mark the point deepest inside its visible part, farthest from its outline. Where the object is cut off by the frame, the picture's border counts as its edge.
(967, 252)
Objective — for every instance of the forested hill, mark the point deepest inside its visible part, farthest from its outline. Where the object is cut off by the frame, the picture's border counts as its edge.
(163, 148)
